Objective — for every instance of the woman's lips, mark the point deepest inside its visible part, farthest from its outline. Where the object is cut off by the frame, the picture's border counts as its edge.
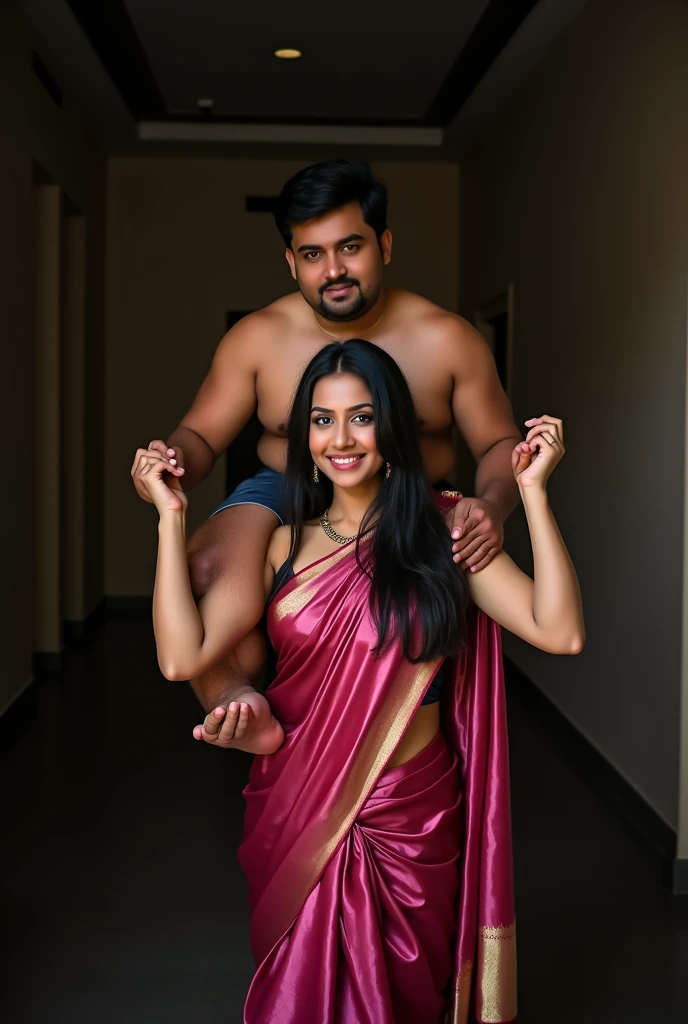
(345, 462)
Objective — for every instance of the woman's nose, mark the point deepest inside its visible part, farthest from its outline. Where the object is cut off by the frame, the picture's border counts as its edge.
(342, 435)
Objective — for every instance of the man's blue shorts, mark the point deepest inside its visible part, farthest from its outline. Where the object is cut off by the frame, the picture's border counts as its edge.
(266, 488)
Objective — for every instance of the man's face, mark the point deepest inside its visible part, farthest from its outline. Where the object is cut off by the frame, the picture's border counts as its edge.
(337, 263)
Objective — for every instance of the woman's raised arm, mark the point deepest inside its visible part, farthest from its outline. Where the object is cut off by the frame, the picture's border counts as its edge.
(190, 640)
(545, 611)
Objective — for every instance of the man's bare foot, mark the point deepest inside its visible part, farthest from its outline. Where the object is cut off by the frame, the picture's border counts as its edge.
(247, 723)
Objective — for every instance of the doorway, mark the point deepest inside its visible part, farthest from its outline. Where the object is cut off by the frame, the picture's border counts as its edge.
(48, 478)
(494, 320)
(72, 421)
(59, 429)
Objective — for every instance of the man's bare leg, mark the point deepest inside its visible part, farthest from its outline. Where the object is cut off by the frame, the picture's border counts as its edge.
(228, 552)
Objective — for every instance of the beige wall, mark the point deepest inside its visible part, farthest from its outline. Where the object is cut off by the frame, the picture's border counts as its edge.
(577, 194)
(34, 128)
(181, 252)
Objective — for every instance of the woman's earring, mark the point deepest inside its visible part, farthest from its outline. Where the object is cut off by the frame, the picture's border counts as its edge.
(388, 471)
(316, 478)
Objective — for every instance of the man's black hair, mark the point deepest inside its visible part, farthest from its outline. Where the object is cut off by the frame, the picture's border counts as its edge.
(321, 188)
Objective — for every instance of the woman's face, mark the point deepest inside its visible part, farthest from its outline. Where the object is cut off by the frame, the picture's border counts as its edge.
(342, 432)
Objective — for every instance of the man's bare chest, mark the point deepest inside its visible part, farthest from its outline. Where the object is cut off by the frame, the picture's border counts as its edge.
(431, 385)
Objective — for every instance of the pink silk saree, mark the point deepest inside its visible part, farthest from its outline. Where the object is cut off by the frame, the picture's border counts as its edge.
(378, 895)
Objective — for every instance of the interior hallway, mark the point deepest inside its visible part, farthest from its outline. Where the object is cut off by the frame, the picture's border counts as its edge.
(124, 903)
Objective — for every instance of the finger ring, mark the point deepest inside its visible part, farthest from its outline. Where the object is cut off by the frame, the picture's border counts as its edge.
(451, 494)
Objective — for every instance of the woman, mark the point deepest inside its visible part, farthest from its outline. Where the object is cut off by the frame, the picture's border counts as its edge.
(377, 844)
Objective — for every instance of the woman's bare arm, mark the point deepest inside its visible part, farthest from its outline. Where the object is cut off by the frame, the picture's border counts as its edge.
(192, 639)
(545, 611)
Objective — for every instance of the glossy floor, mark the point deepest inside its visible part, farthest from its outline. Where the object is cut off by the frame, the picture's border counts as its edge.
(122, 902)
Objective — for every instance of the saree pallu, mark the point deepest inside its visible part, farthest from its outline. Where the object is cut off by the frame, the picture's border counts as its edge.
(379, 895)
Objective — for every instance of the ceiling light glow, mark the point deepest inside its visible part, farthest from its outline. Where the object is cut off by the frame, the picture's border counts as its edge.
(286, 53)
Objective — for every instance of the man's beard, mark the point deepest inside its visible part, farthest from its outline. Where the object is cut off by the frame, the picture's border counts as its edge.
(343, 310)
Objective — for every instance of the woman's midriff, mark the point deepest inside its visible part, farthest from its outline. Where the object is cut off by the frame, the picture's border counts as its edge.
(438, 454)
(422, 729)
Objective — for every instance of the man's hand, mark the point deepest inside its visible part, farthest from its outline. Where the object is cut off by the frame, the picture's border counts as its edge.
(156, 450)
(245, 724)
(477, 532)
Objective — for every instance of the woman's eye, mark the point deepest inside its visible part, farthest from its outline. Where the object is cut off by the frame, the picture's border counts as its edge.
(322, 421)
(363, 417)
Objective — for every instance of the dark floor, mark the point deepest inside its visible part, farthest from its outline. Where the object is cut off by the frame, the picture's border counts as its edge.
(122, 902)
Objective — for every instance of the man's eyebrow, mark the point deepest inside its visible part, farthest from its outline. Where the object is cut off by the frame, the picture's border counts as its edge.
(342, 241)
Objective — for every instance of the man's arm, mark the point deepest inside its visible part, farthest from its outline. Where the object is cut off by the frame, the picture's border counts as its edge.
(223, 405)
(193, 453)
(484, 416)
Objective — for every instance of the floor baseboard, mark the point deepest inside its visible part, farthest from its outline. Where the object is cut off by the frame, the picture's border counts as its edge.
(18, 712)
(78, 630)
(622, 797)
(676, 876)
(48, 662)
(47, 665)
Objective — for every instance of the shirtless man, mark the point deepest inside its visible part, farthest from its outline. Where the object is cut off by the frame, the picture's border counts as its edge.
(332, 217)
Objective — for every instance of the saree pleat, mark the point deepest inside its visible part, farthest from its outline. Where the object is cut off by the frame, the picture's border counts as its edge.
(380, 921)
(378, 895)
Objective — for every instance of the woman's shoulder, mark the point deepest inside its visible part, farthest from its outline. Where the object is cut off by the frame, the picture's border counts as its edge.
(278, 548)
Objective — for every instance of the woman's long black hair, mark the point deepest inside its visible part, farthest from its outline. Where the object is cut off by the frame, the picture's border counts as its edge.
(413, 576)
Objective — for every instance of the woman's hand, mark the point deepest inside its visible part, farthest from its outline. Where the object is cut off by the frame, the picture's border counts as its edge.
(175, 457)
(159, 477)
(535, 458)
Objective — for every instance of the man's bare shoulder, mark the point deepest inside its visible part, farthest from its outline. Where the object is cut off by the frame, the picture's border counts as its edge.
(444, 330)
(291, 305)
(254, 333)
(288, 311)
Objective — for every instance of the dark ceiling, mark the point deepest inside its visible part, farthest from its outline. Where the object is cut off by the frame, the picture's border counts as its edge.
(370, 63)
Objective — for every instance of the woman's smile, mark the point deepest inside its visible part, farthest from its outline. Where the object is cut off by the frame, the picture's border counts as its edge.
(344, 462)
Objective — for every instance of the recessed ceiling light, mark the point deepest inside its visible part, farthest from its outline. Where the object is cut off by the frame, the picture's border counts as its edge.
(286, 53)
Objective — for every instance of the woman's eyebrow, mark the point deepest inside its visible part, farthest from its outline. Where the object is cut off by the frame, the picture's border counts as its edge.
(353, 408)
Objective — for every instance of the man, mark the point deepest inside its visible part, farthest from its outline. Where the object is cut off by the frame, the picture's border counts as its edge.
(332, 217)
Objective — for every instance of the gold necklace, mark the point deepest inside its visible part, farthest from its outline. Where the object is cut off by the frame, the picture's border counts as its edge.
(331, 532)
(335, 337)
